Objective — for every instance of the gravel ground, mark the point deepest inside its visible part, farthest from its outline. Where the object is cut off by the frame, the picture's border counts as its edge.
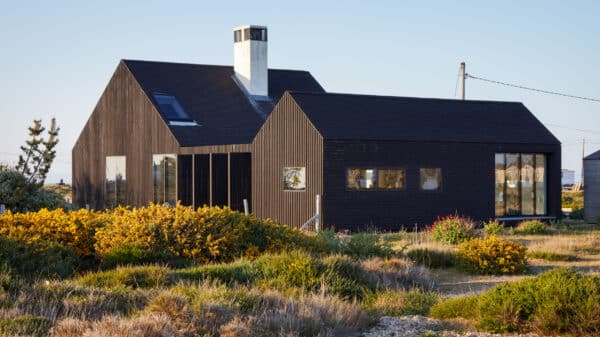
(417, 326)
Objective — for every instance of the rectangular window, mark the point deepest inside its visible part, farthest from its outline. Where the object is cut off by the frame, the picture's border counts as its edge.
(520, 184)
(294, 178)
(540, 184)
(164, 170)
(431, 179)
(361, 178)
(391, 179)
(500, 184)
(116, 182)
(172, 111)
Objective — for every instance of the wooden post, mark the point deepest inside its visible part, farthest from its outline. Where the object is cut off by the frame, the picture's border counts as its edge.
(462, 80)
(246, 207)
(318, 213)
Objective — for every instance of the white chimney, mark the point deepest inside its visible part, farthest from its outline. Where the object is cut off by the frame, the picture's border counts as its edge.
(250, 59)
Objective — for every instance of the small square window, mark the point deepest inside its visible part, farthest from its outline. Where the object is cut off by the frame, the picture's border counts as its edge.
(361, 178)
(294, 178)
(431, 179)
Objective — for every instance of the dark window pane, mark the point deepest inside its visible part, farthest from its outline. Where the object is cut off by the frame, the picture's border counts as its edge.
(220, 190)
(259, 34)
(201, 180)
(170, 108)
(165, 178)
(500, 184)
(246, 34)
(237, 35)
(184, 179)
(361, 178)
(241, 179)
(431, 179)
(513, 197)
(391, 179)
(527, 192)
(540, 184)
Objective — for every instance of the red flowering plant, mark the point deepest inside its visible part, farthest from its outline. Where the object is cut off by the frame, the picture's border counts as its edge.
(452, 229)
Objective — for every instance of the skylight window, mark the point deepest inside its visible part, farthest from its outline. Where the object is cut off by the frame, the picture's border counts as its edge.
(171, 110)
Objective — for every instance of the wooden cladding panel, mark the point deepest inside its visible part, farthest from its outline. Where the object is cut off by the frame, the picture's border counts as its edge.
(287, 139)
(123, 123)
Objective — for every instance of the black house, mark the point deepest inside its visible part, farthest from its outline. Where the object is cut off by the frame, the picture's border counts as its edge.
(215, 135)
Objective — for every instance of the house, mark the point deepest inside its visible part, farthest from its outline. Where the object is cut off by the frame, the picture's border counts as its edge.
(591, 191)
(216, 135)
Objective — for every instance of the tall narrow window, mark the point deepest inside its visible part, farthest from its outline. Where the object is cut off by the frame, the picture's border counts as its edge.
(116, 182)
(164, 169)
(540, 184)
(431, 179)
(500, 184)
(513, 195)
(527, 185)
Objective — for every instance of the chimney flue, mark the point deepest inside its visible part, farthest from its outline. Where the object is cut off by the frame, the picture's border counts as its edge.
(250, 59)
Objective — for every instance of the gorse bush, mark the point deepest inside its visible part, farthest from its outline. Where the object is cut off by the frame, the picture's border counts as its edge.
(452, 229)
(531, 227)
(493, 227)
(493, 256)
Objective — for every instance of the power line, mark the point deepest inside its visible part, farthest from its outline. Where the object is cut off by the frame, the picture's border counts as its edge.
(575, 129)
(532, 89)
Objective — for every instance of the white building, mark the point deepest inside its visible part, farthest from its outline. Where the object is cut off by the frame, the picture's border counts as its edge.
(567, 177)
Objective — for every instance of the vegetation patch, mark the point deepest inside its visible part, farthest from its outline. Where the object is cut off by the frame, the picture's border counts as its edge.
(493, 227)
(132, 277)
(35, 326)
(432, 258)
(402, 302)
(452, 229)
(551, 256)
(458, 307)
(493, 256)
(530, 227)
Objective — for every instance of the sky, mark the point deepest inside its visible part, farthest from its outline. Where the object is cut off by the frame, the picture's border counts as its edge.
(56, 57)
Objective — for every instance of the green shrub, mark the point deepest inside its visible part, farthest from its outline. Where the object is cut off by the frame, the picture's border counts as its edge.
(493, 256)
(531, 227)
(35, 326)
(363, 245)
(33, 260)
(452, 229)
(464, 306)
(432, 258)
(577, 214)
(331, 241)
(493, 227)
(345, 278)
(558, 301)
(551, 256)
(132, 254)
(20, 195)
(286, 270)
(133, 277)
(401, 302)
(238, 272)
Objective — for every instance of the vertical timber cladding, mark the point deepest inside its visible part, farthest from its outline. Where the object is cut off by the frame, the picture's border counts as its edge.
(287, 139)
(220, 181)
(123, 123)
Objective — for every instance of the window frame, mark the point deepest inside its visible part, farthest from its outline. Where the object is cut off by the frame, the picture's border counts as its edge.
(164, 187)
(441, 183)
(185, 121)
(123, 181)
(283, 170)
(376, 168)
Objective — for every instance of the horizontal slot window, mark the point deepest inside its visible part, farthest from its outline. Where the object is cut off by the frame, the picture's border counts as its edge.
(376, 179)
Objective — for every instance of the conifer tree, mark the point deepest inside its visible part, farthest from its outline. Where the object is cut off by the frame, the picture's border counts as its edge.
(38, 152)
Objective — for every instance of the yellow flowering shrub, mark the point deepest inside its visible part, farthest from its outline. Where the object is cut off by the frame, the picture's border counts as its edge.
(493, 255)
(73, 229)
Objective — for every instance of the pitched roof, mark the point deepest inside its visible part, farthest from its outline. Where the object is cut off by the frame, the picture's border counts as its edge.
(593, 156)
(363, 117)
(210, 95)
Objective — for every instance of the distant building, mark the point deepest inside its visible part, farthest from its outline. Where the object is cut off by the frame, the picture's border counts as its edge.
(567, 177)
(591, 192)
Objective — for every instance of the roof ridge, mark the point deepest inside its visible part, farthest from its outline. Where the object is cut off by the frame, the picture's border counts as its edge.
(296, 92)
(203, 65)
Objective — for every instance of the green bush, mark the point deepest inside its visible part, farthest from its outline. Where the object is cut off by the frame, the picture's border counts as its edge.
(493, 256)
(432, 258)
(38, 260)
(452, 229)
(577, 214)
(464, 306)
(237, 272)
(132, 254)
(289, 269)
(531, 227)
(133, 277)
(19, 195)
(363, 245)
(331, 241)
(35, 326)
(401, 302)
(551, 256)
(345, 278)
(558, 301)
(493, 227)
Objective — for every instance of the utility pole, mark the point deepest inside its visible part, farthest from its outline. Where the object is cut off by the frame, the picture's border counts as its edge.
(582, 161)
(462, 80)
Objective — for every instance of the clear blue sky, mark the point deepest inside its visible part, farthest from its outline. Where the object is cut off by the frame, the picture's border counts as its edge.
(56, 57)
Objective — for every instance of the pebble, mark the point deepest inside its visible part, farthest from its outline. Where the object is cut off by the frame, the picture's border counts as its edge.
(417, 326)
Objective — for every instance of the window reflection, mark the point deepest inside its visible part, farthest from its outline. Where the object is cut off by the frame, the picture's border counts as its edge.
(520, 184)
(361, 178)
(513, 197)
(431, 179)
(540, 184)
(164, 178)
(390, 179)
(116, 182)
(500, 184)
(527, 191)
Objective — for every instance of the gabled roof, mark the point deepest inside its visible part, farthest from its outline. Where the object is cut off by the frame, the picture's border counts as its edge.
(210, 95)
(593, 156)
(364, 117)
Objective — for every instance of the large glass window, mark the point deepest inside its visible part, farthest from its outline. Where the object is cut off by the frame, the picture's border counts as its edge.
(500, 181)
(116, 182)
(431, 179)
(375, 179)
(520, 184)
(164, 172)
